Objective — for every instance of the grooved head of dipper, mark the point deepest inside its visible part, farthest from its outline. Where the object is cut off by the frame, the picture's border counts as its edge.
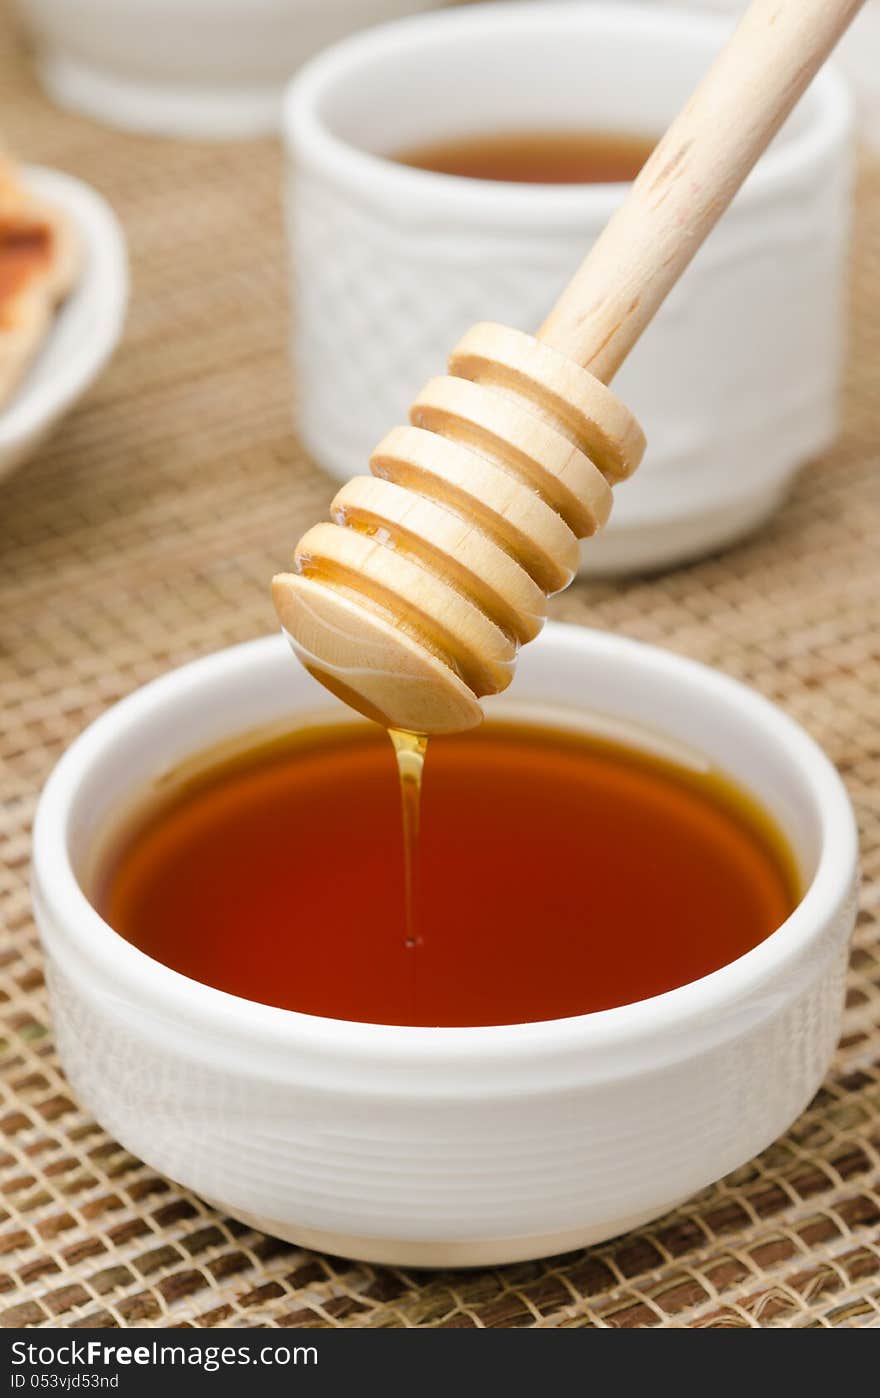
(368, 661)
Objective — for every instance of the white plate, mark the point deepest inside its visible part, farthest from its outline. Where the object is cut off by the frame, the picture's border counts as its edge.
(85, 330)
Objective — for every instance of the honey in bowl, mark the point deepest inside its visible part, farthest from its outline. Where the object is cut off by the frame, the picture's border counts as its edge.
(559, 873)
(537, 157)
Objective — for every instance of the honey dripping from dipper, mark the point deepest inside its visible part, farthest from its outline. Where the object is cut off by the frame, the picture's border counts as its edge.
(410, 750)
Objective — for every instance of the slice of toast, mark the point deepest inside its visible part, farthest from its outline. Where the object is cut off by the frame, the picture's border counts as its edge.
(40, 262)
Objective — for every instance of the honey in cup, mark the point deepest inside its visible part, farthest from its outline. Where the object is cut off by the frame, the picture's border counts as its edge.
(537, 157)
(559, 872)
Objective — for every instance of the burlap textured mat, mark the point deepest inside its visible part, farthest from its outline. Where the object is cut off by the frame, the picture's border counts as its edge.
(144, 534)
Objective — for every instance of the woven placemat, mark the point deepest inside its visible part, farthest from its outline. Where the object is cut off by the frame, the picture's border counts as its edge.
(144, 534)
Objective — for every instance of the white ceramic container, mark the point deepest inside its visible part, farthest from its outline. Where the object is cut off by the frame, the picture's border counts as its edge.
(736, 381)
(86, 327)
(447, 1146)
(203, 68)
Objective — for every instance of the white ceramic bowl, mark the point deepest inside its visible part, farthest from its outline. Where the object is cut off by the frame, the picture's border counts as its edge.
(86, 328)
(447, 1146)
(202, 68)
(735, 382)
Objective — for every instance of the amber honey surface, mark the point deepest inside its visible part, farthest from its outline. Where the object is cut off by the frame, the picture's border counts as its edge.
(537, 157)
(559, 874)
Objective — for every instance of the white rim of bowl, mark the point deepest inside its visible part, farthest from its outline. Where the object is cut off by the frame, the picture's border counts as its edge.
(105, 281)
(222, 1013)
(491, 200)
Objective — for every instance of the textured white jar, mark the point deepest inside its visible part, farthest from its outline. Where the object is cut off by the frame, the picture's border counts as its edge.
(736, 381)
(212, 68)
(447, 1146)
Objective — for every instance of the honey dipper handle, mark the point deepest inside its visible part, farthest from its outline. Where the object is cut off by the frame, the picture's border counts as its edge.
(691, 177)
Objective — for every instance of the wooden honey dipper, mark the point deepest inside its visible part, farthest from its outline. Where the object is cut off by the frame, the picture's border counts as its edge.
(413, 603)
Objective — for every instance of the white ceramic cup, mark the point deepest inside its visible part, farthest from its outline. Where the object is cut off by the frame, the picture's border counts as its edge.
(735, 382)
(204, 68)
(447, 1146)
